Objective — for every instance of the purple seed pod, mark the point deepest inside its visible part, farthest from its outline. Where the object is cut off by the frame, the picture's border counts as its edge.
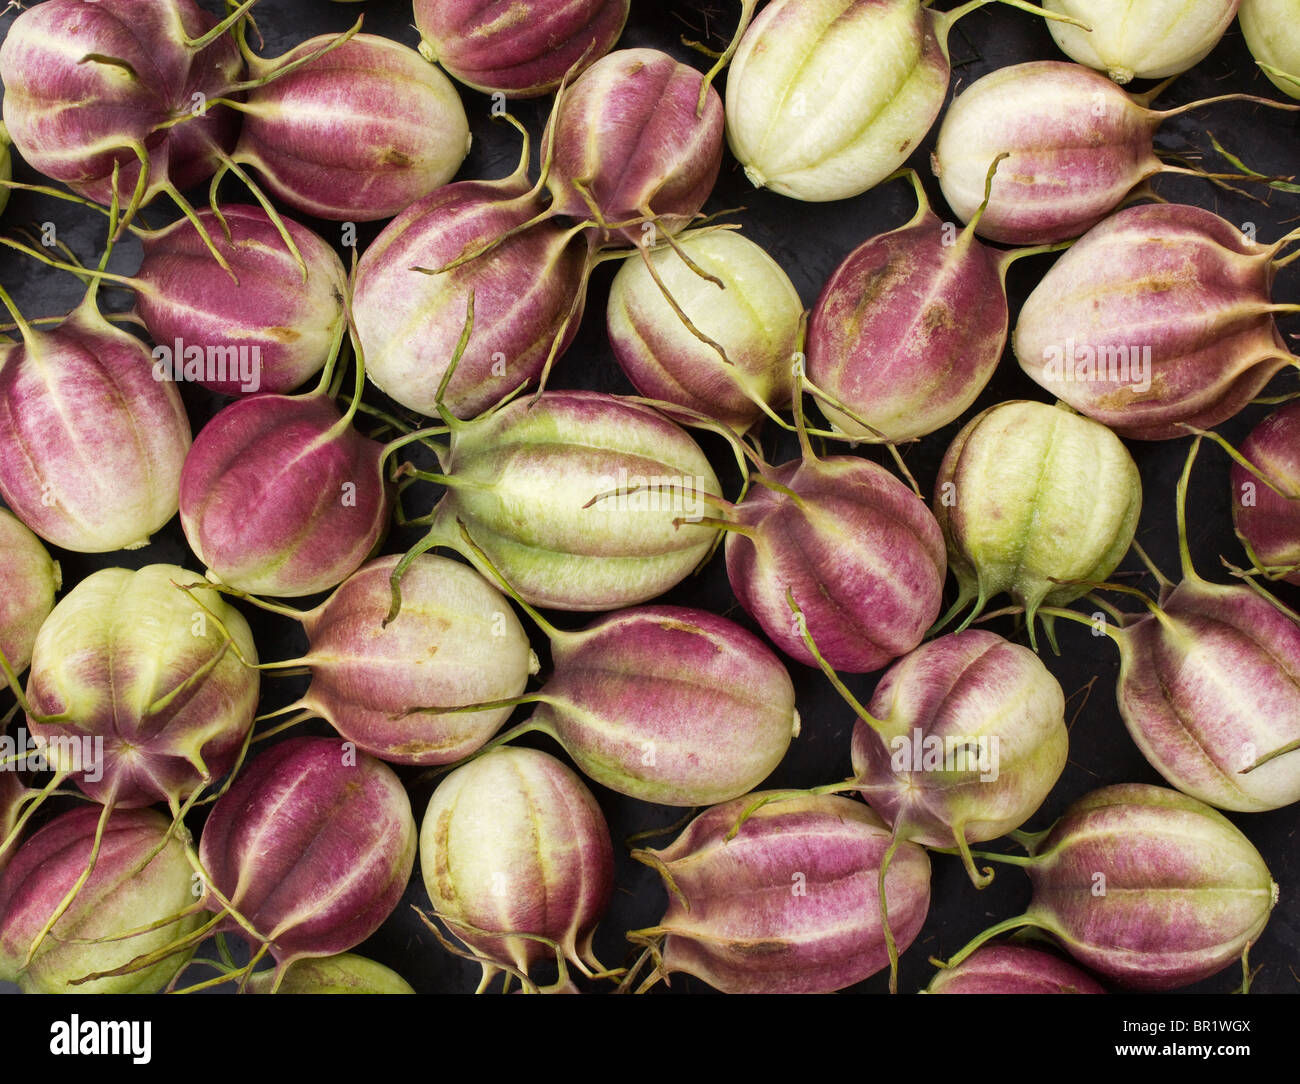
(91, 444)
(29, 580)
(1013, 969)
(631, 150)
(965, 739)
(1150, 39)
(345, 973)
(1183, 667)
(910, 327)
(121, 895)
(1014, 516)
(827, 98)
(791, 904)
(667, 704)
(135, 690)
(1267, 519)
(87, 84)
(522, 51)
(513, 844)
(1147, 887)
(312, 847)
(281, 495)
(528, 296)
(752, 314)
(455, 642)
(584, 501)
(271, 331)
(859, 551)
(1159, 318)
(1078, 146)
(402, 134)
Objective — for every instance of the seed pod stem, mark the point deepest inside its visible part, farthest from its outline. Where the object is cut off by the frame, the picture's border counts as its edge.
(1006, 925)
(63, 905)
(724, 58)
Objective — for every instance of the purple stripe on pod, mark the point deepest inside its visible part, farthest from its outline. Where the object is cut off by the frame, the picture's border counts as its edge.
(1266, 511)
(1013, 969)
(522, 49)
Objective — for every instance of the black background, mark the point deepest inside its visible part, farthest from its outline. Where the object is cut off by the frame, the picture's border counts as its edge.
(808, 240)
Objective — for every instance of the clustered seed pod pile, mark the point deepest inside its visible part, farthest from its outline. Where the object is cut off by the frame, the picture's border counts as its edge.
(649, 542)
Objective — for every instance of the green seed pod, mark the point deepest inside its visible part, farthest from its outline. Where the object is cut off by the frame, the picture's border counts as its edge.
(1272, 32)
(345, 973)
(28, 582)
(1016, 518)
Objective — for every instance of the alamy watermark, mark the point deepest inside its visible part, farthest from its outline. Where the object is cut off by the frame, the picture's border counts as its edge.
(57, 753)
(240, 365)
(921, 752)
(625, 492)
(1085, 363)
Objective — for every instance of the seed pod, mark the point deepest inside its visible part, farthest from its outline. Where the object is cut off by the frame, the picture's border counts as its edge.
(513, 843)
(91, 445)
(89, 84)
(281, 495)
(345, 973)
(1141, 39)
(120, 895)
(827, 98)
(630, 146)
(859, 551)
(1159, 318)
(29, 580)
(528, 296)
(1268, 521)
(522, 52)
(1269, 27)
(270, 332)
(403, 134)
(667, 704)
(1145, 886)
(752, 312)
(525, 478)
(1015, 518)
(910, 327)
(965, 740)
(455, 642)
(313, 846)
(6, 166)
(791, 903)
(1013, 969)
(13, 796)
(1077, 147)
(133, 664)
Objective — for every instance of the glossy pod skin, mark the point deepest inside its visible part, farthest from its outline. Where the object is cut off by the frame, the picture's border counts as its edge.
(73, 121)
(144, 668)
(313, 845)
(117, 898)
(1183, 294)
(523, 51)
(801, 880)
(1141, 39)
(1014, 516)
(909, 329)
(28, 582)
(1184, 890)
(669, 705)
(1013, 969)
(755, 316)
(91, 489)
(514, 843)
(1270, 30)
(528, 291)
(626, 133)
(282, 495)
(864, 603)
(1268, 523)
(456, 641)
(285, 326)
(1041, 113)
(524, 479)
(975, 691)
(403, 134)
